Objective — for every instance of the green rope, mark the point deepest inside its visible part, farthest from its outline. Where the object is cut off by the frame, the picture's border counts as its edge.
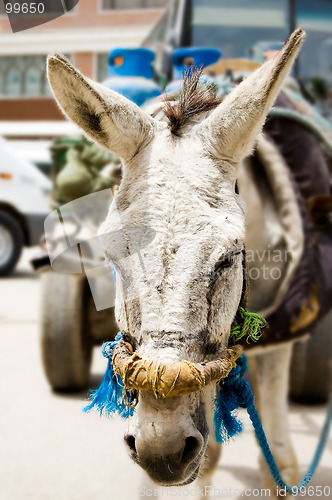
(248, 325)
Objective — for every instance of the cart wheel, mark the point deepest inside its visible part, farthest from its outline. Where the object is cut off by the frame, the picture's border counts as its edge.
(311, 368)
(66, 344)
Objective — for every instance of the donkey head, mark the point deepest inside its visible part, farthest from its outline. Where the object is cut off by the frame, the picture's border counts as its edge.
(175, 235)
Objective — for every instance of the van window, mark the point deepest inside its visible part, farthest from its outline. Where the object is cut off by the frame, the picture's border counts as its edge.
(315, 16)
(235, 27)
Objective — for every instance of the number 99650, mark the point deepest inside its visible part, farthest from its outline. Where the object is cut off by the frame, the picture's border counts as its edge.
(25, 8)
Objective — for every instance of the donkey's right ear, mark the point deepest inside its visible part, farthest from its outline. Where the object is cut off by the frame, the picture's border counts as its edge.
(107, 117)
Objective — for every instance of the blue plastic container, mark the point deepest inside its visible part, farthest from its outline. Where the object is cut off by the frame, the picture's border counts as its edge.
(131, 62)
(131, 74)
(137, 89)
(193, 56)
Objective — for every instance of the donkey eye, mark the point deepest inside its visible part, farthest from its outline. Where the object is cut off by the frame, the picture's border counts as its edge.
(224, 263)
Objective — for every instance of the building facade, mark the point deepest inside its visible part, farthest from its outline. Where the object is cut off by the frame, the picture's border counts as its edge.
(86, 35)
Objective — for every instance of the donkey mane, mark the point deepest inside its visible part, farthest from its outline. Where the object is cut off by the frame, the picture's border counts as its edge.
(193, 98)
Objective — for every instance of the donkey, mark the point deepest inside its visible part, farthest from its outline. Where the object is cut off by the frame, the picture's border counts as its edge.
(177, 297)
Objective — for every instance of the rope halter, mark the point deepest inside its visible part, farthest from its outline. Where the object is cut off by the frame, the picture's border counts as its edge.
(127, 373)
(170, 379)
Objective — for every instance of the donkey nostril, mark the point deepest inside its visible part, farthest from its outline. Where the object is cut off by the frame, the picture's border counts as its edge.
(130, 440)
(191, 449)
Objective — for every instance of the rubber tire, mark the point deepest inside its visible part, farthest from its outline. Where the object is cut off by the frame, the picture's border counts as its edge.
(13, 226)
(66, 344)
(311, 368)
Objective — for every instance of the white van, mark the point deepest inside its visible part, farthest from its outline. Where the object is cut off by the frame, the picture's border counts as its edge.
(24, 205)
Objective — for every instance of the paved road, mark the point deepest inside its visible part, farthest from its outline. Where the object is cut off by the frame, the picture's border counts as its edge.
(49, 450)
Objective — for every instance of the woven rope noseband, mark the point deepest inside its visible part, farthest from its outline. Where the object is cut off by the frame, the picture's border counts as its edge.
(127, 373)
(170, 379)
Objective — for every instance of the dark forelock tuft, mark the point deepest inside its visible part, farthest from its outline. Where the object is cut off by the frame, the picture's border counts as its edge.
(194, 98)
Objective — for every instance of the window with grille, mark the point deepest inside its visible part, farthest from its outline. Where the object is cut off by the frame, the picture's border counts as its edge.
(102, 66)
(23, 76)
(132, 4)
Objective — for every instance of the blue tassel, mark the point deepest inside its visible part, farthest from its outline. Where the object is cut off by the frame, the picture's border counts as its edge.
(226, 423)
(108, 398)
(233, 392)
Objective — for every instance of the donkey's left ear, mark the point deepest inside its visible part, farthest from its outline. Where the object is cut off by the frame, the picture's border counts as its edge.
(232, 128)
(107, 117)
